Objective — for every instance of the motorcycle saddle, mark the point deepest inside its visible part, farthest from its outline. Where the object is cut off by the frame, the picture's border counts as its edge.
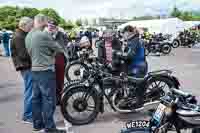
(191, 117)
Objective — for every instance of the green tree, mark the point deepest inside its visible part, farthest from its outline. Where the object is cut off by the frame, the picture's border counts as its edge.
(176, 12)
(78, 22)
(7, 11)
(186, 16)
(52, 14)
(28, 12)
(69, 25)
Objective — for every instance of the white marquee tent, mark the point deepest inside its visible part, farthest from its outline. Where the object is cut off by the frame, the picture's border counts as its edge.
(165, 26)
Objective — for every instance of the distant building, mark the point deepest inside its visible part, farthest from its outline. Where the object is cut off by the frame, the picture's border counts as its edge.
(111, 23)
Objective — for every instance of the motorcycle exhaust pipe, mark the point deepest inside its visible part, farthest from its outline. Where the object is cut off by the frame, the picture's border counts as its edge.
(146, 106)
(149, 106)
(117, 109)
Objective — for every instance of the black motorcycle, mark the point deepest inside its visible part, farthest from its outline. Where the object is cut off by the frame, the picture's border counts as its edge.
(82, 101)
(177, 111)
(157, 47)
(185, 40)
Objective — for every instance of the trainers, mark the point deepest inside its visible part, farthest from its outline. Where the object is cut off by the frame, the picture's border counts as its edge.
(27, 121)
(54, 131)
(37, 130)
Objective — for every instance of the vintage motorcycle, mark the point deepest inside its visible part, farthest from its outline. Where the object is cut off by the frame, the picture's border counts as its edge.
(82, 101)
(157, 47)
(184, 39)
(179, 111)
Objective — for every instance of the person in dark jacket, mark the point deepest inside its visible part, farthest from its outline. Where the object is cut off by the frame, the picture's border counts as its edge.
(117, 62)
(61, 38)
(136, 60)
(6, 39)
(22, 63)
(100, 44)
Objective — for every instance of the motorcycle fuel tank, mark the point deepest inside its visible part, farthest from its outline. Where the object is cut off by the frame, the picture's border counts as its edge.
(188, 116)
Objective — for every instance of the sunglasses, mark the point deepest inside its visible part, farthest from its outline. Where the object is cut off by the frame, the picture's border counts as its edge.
(51, 26)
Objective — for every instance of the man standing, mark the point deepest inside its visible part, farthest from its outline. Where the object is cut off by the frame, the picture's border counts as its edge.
(22, 62)
(6, 39)
(42, 49)
(61, 38)
(136, 60)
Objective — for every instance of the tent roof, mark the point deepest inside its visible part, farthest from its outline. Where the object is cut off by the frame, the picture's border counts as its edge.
(148, 23)
(169, 25)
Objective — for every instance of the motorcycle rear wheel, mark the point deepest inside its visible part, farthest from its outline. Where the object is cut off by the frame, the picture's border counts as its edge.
(155, 83)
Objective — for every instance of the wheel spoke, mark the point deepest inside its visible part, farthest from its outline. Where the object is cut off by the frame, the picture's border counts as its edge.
(86, 96)
(73, 98)
(90, 108)
(157, 85)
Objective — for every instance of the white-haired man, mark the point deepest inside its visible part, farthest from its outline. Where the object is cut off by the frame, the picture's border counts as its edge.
(22, 63)
(42, 48)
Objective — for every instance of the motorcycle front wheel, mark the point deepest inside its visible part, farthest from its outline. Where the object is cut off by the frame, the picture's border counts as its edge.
(72, 71)
(80, 106)
(166, 49)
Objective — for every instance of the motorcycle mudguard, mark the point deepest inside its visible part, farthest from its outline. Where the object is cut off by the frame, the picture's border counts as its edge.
(69, 86)
(176, 82)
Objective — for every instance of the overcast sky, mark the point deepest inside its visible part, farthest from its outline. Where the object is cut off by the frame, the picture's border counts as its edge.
(112, 8)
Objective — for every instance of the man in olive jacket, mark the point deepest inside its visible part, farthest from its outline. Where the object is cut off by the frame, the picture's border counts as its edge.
(22, 62)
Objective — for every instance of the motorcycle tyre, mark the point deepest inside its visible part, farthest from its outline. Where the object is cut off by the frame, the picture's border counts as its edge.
(65, 99)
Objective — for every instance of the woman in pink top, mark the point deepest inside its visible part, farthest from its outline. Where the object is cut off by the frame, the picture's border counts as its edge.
(108, 45)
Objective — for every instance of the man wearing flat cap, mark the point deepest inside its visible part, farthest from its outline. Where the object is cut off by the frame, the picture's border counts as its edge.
(61, 38)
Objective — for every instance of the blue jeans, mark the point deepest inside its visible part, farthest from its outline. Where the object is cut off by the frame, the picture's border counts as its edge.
(27, 76)
(44, 99)
(6, 48)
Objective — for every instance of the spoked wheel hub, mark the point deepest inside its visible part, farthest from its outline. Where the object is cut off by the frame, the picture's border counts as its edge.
(80, 105)
(77, 72)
